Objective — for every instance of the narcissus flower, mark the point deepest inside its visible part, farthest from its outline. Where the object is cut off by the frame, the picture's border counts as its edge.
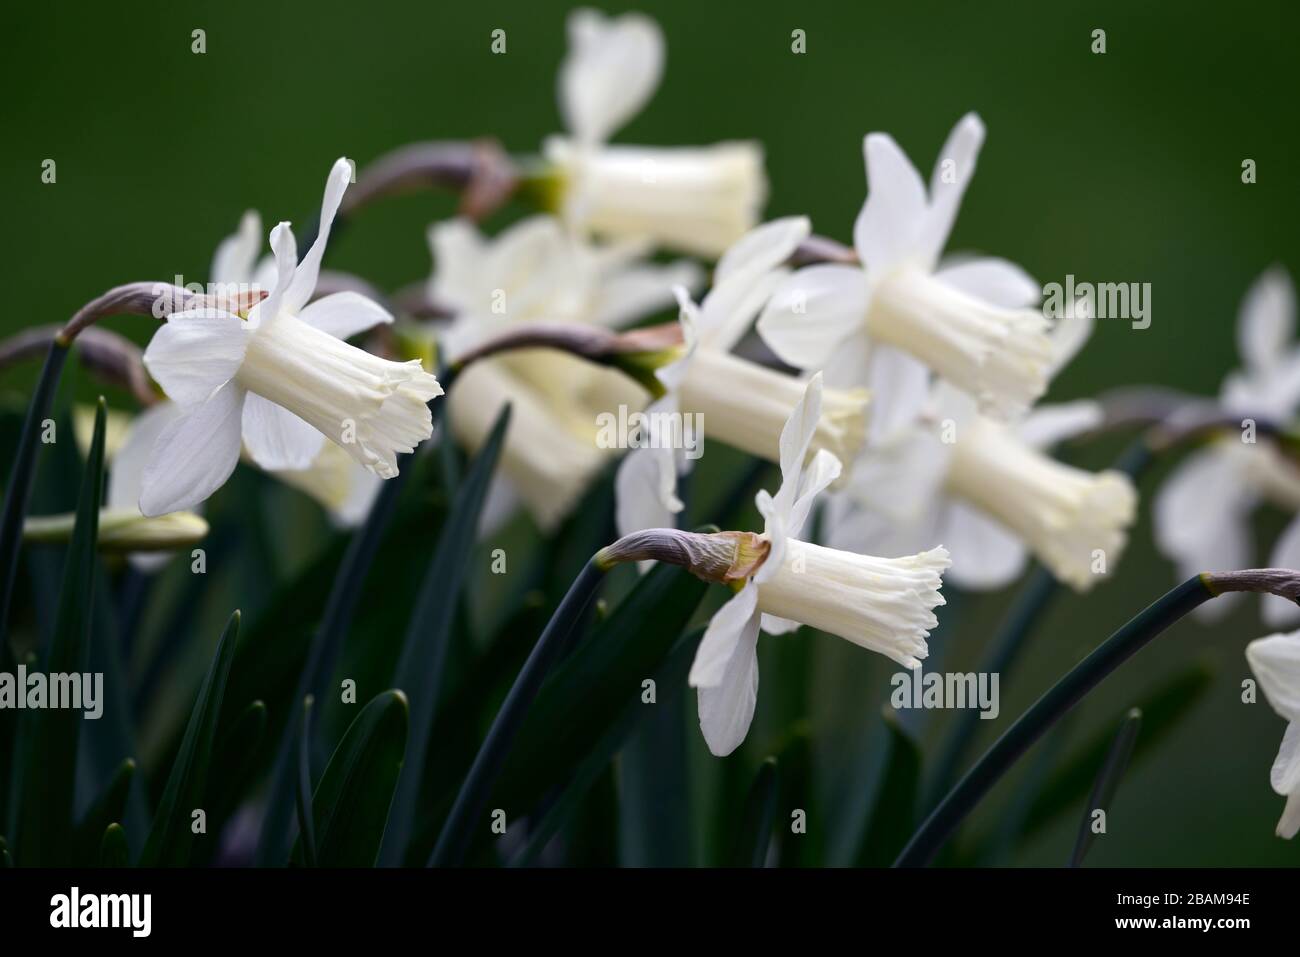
(1275, 660)
(535, 272)
(280, 380)
(696, 199)
(989, 490)
(970, 322)
(741, 403)
(1202, 513)
(885, 605)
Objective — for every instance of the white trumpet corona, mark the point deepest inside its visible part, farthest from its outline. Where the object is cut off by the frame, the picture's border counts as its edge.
(1066, 515)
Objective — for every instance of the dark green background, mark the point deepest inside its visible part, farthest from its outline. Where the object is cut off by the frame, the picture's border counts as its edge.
(1117, 167)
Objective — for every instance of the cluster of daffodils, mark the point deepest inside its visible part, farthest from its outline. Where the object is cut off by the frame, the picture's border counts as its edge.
(896, 390)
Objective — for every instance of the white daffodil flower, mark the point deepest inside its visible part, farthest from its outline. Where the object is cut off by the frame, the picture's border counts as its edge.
(280, 381)
(695, 199)
(969, 323)
(535, 271)
(1275, 660)
(741, 403)
(885, 605)
(1202, 512)
(989, 490)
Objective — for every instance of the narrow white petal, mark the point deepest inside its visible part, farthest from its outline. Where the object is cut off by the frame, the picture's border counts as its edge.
(1266, 322)
(126, 472)
(1289, 824)
(1275, 660)
(613, 66)
(285, 249)
(193, 354)
(888, 228)
(726, 630)
(900, 385)
(985, 555)
(304, 278)
(1285, 773)
(194, 455)
(952, 174)
(763, 248)
(643, 499)
(236, 256)
(824, 469)
(1200, 514)
(727, 710)
(276, 438)
(796, 437)
(995, 281)
(812, 312)
(344, 314)
(1051, 423)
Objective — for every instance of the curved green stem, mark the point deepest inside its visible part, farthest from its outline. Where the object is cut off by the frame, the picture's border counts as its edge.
(1045, 712)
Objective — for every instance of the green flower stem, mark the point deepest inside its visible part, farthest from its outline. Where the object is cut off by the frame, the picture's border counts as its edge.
(457, 832)
(1045, 712)
(1030, 604)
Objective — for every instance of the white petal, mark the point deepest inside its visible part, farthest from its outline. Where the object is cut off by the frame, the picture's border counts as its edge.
(763, 248)
(1049, 424)
(194, 455)
(1199, 516)
(952, 174)
(276, 438)
(1275, 660)
(796, 436)
(997, 282)
(729, 625)
(236, 257)
(344, 314)
(888, 227)
(774, 531)
(458, 252)
(1285, 773)
(824, 469)
(304, 278)
(812, 312)
(1266, 322)
(727, 710)
(1289, 824)
(645, 490)
(126, 473)
(195, 353)
(641, 290)
(1279, 612)
(612, 68)
(779, 626)
(285, 248)
(900, 385)
(984, 554)
(1071, 332)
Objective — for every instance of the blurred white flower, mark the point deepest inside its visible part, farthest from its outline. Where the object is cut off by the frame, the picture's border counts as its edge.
(696, 199)
(1202, 512)
(742, 404)
(535, 271)
(1275, 660)
(989, 490)
(280, 381)
(885, 605)
(970, 322)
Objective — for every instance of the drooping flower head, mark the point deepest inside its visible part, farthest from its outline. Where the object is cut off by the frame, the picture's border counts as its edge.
(280, 381)
(885, 605)
(696, 199)
(1202, 512)
(741, 403)
(969, 323)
